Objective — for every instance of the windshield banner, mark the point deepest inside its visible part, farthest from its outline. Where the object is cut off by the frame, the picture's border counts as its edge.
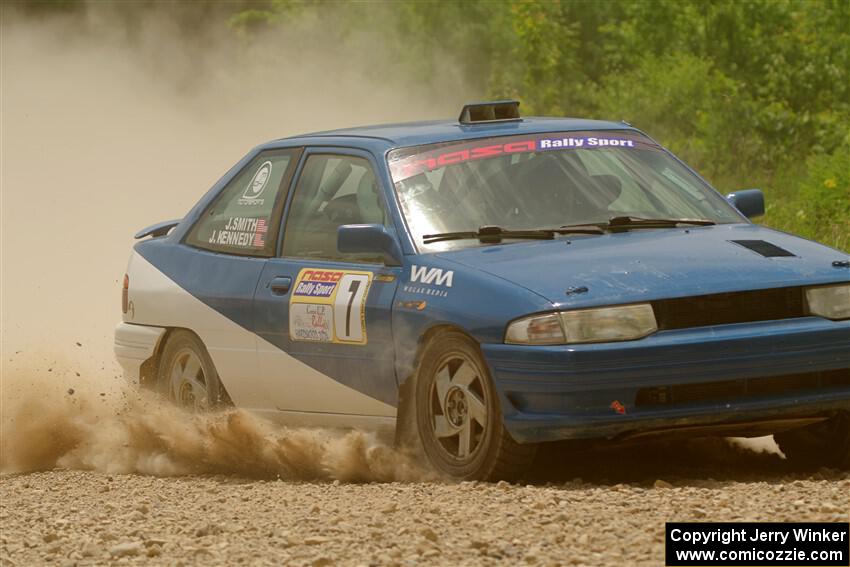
(408, 162)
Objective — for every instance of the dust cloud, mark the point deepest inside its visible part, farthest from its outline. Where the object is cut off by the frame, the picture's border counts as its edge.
(112, 121)
(54, 418)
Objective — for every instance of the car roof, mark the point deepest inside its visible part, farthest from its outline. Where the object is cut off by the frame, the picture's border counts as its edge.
(405, 134)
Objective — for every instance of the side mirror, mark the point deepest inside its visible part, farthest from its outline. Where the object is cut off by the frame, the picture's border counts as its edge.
(749, 201)
(369, 239)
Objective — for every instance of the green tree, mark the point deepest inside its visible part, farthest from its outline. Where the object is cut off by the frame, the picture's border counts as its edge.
(754, 91)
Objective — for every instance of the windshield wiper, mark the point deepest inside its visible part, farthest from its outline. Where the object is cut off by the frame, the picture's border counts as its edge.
(491, 234)
(625, 223)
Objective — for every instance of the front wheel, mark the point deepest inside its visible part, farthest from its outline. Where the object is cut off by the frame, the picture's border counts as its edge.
(824, 444)
(458, 414)
(187, 375)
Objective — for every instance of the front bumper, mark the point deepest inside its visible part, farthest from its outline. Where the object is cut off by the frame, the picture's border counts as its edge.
(704, 376)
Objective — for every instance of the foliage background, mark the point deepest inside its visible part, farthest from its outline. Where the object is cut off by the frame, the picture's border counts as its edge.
(751, 93)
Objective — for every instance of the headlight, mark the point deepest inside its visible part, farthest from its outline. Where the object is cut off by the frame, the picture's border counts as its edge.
(623, 323)
(536, 330)
(830, 301)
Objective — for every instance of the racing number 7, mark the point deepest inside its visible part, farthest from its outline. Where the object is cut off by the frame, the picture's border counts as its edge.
(349, 324)
(352, 289)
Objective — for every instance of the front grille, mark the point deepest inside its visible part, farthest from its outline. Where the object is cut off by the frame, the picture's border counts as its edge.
(727, 308)
(743, 388)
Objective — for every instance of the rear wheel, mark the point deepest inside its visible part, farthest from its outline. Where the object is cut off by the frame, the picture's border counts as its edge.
(187, 375)
(458, 414)
(824, 444)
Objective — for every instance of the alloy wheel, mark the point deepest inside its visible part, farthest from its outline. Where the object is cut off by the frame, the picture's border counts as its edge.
(188, 384)
(458, 405)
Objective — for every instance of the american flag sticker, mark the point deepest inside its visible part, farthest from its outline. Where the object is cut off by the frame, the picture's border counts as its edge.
(260, 233)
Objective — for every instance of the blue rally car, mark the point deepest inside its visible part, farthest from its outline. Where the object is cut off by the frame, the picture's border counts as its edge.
(489, 284)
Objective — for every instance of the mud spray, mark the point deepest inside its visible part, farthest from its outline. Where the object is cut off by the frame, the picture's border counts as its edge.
(111, 123)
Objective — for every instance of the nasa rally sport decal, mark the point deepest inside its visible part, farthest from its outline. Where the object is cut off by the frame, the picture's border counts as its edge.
(329, 306)
(410, 165)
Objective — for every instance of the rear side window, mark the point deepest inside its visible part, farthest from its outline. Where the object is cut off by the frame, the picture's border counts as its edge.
(244, 219)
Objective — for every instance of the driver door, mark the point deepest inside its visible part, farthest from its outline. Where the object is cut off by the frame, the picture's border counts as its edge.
(325, 316)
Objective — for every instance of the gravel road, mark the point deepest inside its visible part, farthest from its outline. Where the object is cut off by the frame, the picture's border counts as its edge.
(66, 517)
(92, 475)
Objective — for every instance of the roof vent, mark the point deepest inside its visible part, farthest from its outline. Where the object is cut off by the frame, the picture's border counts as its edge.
(764, 248)
(487, 112)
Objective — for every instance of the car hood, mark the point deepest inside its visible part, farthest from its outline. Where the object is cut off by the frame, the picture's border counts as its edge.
(645, 265)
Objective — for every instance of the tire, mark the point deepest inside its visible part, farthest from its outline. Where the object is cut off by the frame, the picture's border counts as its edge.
(187, 376)
(459, 417)
(824, 444)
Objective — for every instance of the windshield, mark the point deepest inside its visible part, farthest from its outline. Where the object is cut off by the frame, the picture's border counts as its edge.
(545, 181)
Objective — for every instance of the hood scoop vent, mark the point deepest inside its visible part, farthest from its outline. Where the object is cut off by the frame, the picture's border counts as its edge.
(764, 248)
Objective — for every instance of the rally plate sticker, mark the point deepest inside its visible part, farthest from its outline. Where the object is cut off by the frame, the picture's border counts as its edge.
(329, 306)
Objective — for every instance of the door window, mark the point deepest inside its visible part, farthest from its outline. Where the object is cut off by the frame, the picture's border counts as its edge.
(244, 219)
(333, 190)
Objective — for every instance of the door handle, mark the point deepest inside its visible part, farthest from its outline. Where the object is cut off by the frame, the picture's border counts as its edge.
(280, 285)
